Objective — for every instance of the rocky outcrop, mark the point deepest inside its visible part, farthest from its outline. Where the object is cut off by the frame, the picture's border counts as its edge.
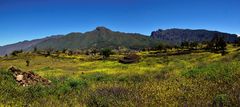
(28, 78)
(182, 35)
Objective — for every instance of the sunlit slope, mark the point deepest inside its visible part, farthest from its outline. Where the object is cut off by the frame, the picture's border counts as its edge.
(197, 78)
(99, 38)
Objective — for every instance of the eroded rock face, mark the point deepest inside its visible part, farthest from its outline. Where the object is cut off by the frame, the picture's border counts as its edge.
(28, 78)
(176, 36)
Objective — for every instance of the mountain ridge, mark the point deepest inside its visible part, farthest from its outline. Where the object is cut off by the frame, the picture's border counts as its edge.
(102, 37)
(23, 45)
(177, 35)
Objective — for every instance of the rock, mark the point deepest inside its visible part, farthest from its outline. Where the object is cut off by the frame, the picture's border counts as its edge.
(19, 77)
(28, 78)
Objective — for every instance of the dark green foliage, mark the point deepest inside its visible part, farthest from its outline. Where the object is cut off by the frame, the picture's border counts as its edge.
(16, 52)
(189, 45)
(48, 52)
(75, 84)
(238, 41)
(99, 38)
(106, 53)
(35, 50)
(96, 77)
(177, 47)
(193, 45)
(217, 43)
(221, 44)
(221, 100)
(185, 44)
(160, 47)
(27, 62)
(64, 50)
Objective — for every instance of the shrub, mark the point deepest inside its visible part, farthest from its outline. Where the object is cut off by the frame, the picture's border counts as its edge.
(221, 100)
(74, 84)
(16, 52)
(217, 44)
(106, 53)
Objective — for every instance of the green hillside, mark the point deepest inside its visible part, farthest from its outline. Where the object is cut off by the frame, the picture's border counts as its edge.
(199, 78)
(99, 38)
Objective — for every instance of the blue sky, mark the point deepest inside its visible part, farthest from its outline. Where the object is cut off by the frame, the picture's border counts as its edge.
(30, 19)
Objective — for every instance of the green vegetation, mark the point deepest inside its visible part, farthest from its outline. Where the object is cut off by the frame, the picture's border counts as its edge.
(196, 78)
(15, 53)
(217, 44)
(106, 53)
(99, 38)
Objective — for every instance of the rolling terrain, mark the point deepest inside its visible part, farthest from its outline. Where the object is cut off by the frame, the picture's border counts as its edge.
(197, 78)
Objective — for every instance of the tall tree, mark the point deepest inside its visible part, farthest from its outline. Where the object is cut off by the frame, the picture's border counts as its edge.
(238, 41)
(217, 44)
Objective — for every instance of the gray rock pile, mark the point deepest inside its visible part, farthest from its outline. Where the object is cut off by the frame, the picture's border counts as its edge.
(28, 78)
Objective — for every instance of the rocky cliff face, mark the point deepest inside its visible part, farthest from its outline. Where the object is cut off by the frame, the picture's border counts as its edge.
(180, 35)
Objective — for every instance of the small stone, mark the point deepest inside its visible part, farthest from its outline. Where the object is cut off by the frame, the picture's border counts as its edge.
(19, 77)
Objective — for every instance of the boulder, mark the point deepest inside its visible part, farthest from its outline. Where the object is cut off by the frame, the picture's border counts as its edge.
(19, 77)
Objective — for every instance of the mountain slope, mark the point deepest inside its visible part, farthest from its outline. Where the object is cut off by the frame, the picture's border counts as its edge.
(25, 45)
(102, 37)
(99, 38)
(181, 35)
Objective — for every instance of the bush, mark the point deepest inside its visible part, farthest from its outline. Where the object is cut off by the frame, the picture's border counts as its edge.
(16, 52)
(106, 53)
(221, 100)
(74, 84)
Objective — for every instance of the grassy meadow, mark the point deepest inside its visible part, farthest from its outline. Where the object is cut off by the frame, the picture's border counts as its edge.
(197, 79)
